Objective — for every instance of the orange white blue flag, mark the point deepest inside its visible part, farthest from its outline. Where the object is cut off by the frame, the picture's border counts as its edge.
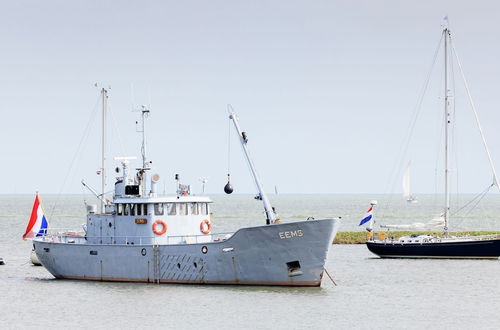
(37, 226)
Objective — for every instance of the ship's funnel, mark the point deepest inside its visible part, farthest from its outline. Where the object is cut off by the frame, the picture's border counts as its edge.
(154, 181)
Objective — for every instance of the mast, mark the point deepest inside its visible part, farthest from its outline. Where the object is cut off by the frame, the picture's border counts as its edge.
(447, 124)
(144, 114)
(270, 217)
(104, 94)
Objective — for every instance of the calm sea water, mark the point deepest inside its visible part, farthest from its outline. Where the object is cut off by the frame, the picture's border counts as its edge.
(372, 293)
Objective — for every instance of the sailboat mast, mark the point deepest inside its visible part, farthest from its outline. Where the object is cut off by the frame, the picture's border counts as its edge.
(104, 94)
(446, 144)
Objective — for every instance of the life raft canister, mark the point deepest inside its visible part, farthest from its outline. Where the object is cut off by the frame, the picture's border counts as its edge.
(205, 226)
(163, 229)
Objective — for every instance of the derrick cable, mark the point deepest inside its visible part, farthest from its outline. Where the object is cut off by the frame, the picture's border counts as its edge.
(116, 128)
(230, 108)
(83, 140)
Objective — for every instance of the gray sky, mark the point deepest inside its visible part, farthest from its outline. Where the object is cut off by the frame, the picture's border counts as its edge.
(325, 90)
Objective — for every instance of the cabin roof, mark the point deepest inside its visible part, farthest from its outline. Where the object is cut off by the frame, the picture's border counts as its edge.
(164, 199)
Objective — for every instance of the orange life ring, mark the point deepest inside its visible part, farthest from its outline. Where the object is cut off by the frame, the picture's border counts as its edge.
(163, 228)
(205, 226)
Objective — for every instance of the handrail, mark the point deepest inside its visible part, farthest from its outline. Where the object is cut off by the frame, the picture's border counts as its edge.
(136, 240)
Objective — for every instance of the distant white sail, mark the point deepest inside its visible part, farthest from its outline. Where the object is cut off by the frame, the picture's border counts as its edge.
(407, 182)
(407, 185)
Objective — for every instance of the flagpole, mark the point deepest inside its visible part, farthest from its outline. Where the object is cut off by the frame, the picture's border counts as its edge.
(369, 227)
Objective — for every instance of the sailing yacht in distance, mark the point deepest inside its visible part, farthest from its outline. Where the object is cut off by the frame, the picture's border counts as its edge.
(427, 246)
(410, 198)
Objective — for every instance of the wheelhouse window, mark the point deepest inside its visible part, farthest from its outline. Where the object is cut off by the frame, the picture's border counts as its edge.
(194, 208)
(132, 209)
(119, 209)
(171, 208)
(183, 210)
(139, 209)
(158, 209)
(204, 208)
(125, 209)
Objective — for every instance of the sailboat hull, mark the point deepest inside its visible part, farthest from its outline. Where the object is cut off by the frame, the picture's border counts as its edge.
(471, 249)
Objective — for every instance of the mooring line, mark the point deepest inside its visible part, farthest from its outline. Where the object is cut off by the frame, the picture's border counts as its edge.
(331, 278)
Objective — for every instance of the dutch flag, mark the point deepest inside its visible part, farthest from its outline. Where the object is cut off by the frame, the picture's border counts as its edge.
(37, 226)
(368, 216)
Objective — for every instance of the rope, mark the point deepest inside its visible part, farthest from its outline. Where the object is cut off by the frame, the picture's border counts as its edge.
(228, 146)
(454, 132)
(477, 203)
(84, 138)
(115, 128)
(229, 107)
(480, 196)
(439, 148)
(415, 114)
(495, 180)
(331, 278)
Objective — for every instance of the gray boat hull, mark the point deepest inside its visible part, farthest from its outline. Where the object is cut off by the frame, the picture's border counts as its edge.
(289, 254)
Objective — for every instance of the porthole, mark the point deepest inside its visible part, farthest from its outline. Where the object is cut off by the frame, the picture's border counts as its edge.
(143, 251)
(204, 249)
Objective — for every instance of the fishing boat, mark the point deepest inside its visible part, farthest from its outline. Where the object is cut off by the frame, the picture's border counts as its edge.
(428, 246)
(140, 236)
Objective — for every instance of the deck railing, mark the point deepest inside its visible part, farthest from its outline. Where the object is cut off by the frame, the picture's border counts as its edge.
(72, 237)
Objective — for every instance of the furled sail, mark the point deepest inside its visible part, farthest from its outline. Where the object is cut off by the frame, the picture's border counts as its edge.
(436, 223)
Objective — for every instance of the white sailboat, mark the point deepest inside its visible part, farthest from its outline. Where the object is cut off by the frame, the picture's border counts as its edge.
(427, 246)
(407, 186)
